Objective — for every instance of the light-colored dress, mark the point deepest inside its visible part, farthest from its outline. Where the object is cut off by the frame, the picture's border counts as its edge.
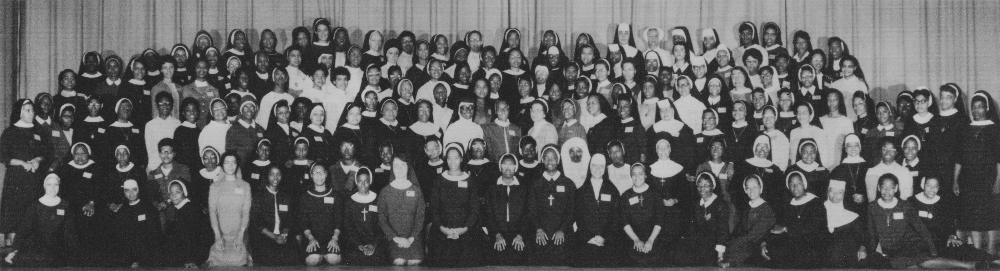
(229, 209)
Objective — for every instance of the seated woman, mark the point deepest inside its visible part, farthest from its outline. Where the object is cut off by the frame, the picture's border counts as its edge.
(363, 239)
(185, 231)
(272, 221)
(640, 212)
(401, 215)
(704, 240)
(256, 171)
(46, 236)
(904, 239)
(797, 238)
(320, 219)
(753, 226)
(550, 205)
(939, 214)
(847, 232)
(506, 216)
(137, 224)
(597, 234)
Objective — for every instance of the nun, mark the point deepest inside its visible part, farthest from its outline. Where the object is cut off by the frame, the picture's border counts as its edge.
(137, 91)
(137, 224)
(761, 166)
(887, 164)
(801, 231)
(321, 141)
(511, 43)
(623, 38)
(597, 237)
(670, 179)
(321, 41)
(723, 64)
(640, 213)
(201, 181)
(321, 219)
(453, 239)
(703, 242)
(848, 235)
(887, 127)
(600, 128)
(740, 132)
(402, 214)
(576, 156)
(808, 127)
(703, 141)
(550, 207)
(62, 136)
(678, 134)
(852, 171)
(480, 167)
(653, 37)
(256, 171)
(82, 199)
(954, 121)
(630, 131)
(940, 215)
(280, 133)
(710, 43)
(86, 130)
(809, 163)
(689, 108)
(925, 122)
(507, 217)
(185, 232)
(91, 76)
(752, 227)
(364, 240)
(122, 132)
(977, 173)
(238, 45)
(463, 130)
(219, 125)
(46, 234)
(372, 48)
(107, 89)
(779, 140)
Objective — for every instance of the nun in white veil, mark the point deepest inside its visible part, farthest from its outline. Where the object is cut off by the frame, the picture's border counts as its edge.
(576, 160)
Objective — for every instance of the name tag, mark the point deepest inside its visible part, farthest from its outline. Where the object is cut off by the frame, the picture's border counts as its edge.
(411, 194)
(142, 217)
(38, 138)
(722, 110)
(238, 191)
(255, 176)
(560, 189)
(158, 176)
(897, 216)
(761, 128)
(379, 170)
(786, 114)
(60, 212)
(135, 130)
(815, 97)
(145, 92)
(328, 200)
(820, 168)
(439, 170)
(282, 208)
(463, 184)
(402, 128)
(88, 175)
(890, 133)
(700, 140)
(55, 133)
(769, 170)
(864, 130)
(511, 133)
(924, 214)
(927, 129)
(100, 130)
(373, 208)
(210, 94)
(318, 139)
(628, 129)
(81, 95)
(260, 134)
(605, 197)
(723, 176)
(305, 176)
(633, 201)
(228, 86)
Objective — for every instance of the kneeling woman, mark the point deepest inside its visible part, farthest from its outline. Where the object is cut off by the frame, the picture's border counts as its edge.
(801, 230)
(704, 241)
(46, 235)
(363, 242)
(185, 230)
(453, 241)
(506, 215)
(597, 233)
(271, 221)
(754, 223)
(641, 214)
(320, 217)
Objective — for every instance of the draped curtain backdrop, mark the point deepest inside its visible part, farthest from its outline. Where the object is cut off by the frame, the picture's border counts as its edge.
(901, 44)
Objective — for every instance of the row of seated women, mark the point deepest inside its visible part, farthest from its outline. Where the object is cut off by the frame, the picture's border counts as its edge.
(453, 120)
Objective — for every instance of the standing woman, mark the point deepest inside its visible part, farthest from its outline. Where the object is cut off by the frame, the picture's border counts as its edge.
(779, 141)
(506, 216)
(597, 235)
(904, 101)
(280, 133)
(704, 241)
(137, 90)
(925, 122)
(852, 171)
(768, 173)
(211, 135)
(168, 68)
(268, 44)
(238, 45)
(48, 235)
(63, 135)
(978, 179)
(321, 42)
(401, 216)
(321, 141)
(203, 92)
(91, 65)
(887, 127)
(888, 164)
(836, 124)
(23, 149)
(740, 133)
(674, 131)
(602, 129)
(954, 121)
(67, 94)
(187, 134)
(229, 210)
(809, 163)
(456, 211)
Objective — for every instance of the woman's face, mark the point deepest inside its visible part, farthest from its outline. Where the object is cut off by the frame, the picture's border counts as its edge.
(978, 110)
(51, 187)
(833, 102)
(232, 65)
(593, 106)
(392, 55)
(347, 150)
(508, 168)
(765, 77)
(860, 108)
(587, 55)
(440, 95)
(888, 153)
(770, 119)
(808, 78)
(340, 37)
(652, 64)
(68, 80)
(495, 83)
(759, 100)
(797, 186)
(921, 103)
(464, 75)
(717, 150)
(263, 152)
(883, 114)
(386, 155)
(705, 187)
(723, 57)
(524, 88)
(947, 100)
(680, 53)
(663, 150)
(597, 168)
(229, 164)
(317, 116)
(847, 70)
(887, 189)
(302, 39)
(176, 193)
(817, 61)
(478, 150)
(435, 70)
(125, 111)
(441, 44)
(240, 41)
(770, 36)
(667, 112)
(910, 149)
(514, 59)
(375, 41)
(752, 65)
(601, 72)
(138, 69)
(628, 71)
(122, 156)
(752, 188)
(684, 87)
(475, 42)
(623, 36)
(931, 187)
(739, 111)
(715, 86)
(836, 50)
(167, 69)
(323, 32)
(282, 113)
(273, 177)
(537, 112)
(400, 169)
(219, 111)
(395, 77)
(354, 57)
(489, 59)
(638, 176)
(709, 121)
(373, 75)
(454, 159)
(801, 45)
(738, 79)
(318, 175)
(803, 114)
(423, 112)
(318, 78)
(649, 89)
(467, 111)
(808, 153)
(835, 195)
(81, 155)
(762, 151)
(280, 78)
(354, 116)
(482, 89)
(853, 149)
(210, 160)
(67, 116)
(407, 44)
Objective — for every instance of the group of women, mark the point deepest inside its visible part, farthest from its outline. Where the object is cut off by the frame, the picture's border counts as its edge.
(430, 152)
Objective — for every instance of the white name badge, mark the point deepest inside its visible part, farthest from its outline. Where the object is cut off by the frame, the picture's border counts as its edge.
(158, 176)
(210, 94)
(305, 176)
(897, 216)
(228, 86)
(135, 130)
(560, 188)
(722, 110)
(255, 176)
(864, 130)
(605, 197)
(100, 130)
(328, 200)
(723, 176)
(820, 168)
(318, 139)
(463, 184)
(88, 175)
(633, 201)
(38, 138)
(890, 133)
(260, 134)
(769, 170)
(142, 217)
(927, 129)
(60, 212)
(55, 134)
(511, 133)
(145, 92)
(402, 128)
(379, 170)
(700, 140)
(439, 170)
(238, 191)
(282, 207)
(411, 194)
(815, 97)
(914, 173)
(628, 129)
(373, 208)
(923, 213)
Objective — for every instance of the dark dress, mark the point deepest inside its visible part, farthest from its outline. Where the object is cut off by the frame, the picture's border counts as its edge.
(21, 187)
(774, 186)
(681, 145)
(427, 175)
(845, 240)
(806, 236)
(979, 207)
(948, 151)
(753, 227)
(643, 212)
(454, 204)
(602, 133)
(267, 211)
(633, 138)
(142, 109)
(256, 173)
(186, 149)
(361, 227)
(550, 205)
(707, 231)
(46, 236)
(506, 214)
(114, 134)
(242, 140)
(138, 233)
(901, 234)
(939, 215)
(322, 146)
(854, 175)
(740, 142)
(321, 213)
(282, 147)
(77, 189)
(187, 236)
(596, 216)
(817, 181)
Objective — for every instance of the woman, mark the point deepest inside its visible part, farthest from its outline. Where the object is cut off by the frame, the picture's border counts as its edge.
(280, 133)
(978, 179)
(47, 235)
(752, 227)
(506, 216)
(401, 216)
(320, 219)
(630, 131)
(257, 171)
(91, 65)
(940, 215)
(704, 241)
(321, 41)
(23, 148)
(66, 94)
(185, 230)
(836, 124)
(852, 171)
(703, 141)
(785, 109)
(779, 140)
(847, 232)
(406, 99)
(278, 91)
(809, 163)
(720, 166)
(576, 157)
(295, 171)
(211, 134)
(121, 132)
(864, 108)
(268, 44)
(771, 37)
(886, 128)
(904, 100)
(424, 126)
(715, 98)
(462, 130)
(201, 183)
(954, 121)
(86, 130)
(238, 45)
(739, 133)
(457, 206)
(201, 91)
(597, 236)
(807, 128)
(768, 172)
(925, 122)
(640, 212)
(601, 128)
(919, 171)
(501, 135)
(678, 134)
(63, 136)
(187, 134)
(691, 110)
(511, 43)
(887, 164)
(801, 230)
(670, 179)
(852, 79)
(364, 240)
(229, 210)
(137, 90)
(168, 67)
(740, 83)
(552, 222)
(321, 142)
(81, 196)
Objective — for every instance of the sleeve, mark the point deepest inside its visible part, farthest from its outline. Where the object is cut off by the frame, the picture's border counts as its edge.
(384, 214)
(873, 237)
(26, 227)
(256, 214)
(567, 224)
(418, 218)
(7, 147)
(919, 227)
(304, 223)
(721, 227)
(473, 208)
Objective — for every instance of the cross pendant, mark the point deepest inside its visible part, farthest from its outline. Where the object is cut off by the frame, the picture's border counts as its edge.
(364, 215)
(550, 199)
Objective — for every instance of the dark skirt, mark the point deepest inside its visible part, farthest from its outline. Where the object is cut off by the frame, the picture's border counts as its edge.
(980, 208)
(585, 254)
(20, 189)
(509, 256)
(461, 252)
(550, 254)
(354, 256)
(267, 252)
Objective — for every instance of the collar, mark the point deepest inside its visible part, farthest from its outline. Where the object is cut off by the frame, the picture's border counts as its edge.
(478, 162)
(263, 76)
(887, 127)
(569, 123)
(93, 119)
(348, 168)
(739, 124)
(370, 114)
(92, 75)
(807, 90)
(805, 199)
(393, 123)
(43, 121)
(912, 163)
(464, 176)
(68, 93)
(888, 205)
(527, 165)
(181, 204)
(853, 160)
(260, 163)
(200, 84)
(626, 120)
(502, 123)
(401, 184)
(837, 215)
(302, 162)
(949, 112)
(434, 164)
(317, 128)
(981, 122)
(807, 167)
(665, 168)
(385, 167)
(246, 124)
(124, 169)
(706, 203)
(515, 182)
(89, 162)
(113, 83)
(925, 200)
(359, 198)
(713, 132)
(349, 126)
(551, 177)
(121, 124)
(672, 127)
(234, 51)
(211, 175)
(189, 124)
(922, 119)
(760, 162)
(137, 82)
(640, 189)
